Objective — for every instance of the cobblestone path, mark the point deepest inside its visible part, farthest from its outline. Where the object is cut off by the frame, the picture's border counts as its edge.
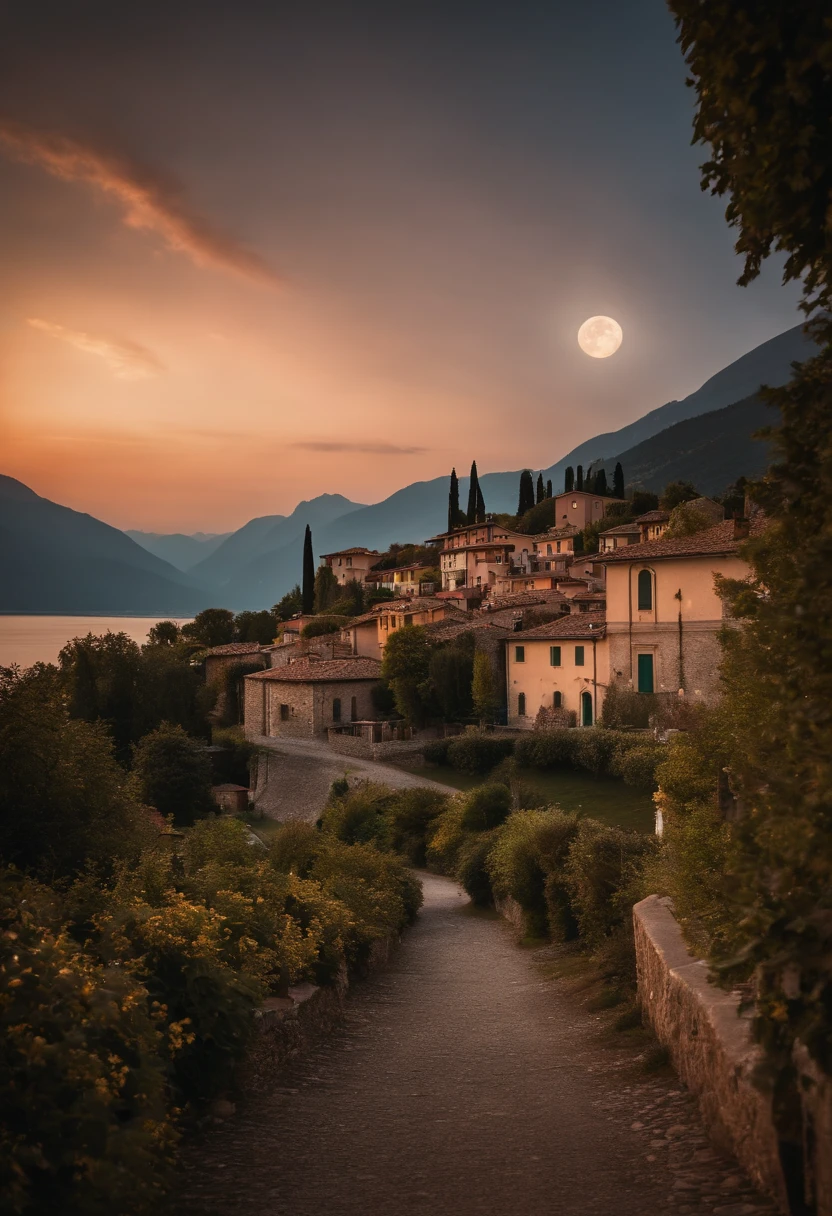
(463, 1082)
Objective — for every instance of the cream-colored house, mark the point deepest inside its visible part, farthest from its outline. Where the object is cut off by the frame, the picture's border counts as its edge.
(617, 538)
(368, 634)
(579, 508)
(562, 666)
(663, 613)
(351, 564)
(481, 555)
(401, 580)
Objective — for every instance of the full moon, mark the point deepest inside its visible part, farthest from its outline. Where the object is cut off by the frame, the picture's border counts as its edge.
(600, 337)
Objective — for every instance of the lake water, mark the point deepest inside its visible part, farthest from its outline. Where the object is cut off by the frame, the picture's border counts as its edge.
(39, 639)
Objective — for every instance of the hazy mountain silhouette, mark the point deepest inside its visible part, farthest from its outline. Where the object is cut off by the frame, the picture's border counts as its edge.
(180, 549)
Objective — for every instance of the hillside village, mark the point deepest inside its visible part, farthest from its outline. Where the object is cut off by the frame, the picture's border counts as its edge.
(560, 626)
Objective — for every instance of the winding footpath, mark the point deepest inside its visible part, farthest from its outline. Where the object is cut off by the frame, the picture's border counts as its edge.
(462, 1081)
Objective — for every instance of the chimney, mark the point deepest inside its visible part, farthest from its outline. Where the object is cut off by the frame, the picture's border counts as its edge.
(741, 527)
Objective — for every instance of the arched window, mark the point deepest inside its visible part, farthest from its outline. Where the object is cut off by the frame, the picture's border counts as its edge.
(645, 591)
(558, 700)
(521, 705)
(336, 710)
(586, 709)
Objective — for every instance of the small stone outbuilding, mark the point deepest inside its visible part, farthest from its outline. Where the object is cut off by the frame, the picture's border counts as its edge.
(308, 697)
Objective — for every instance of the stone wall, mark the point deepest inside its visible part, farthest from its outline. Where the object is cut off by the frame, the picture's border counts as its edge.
(709, 1043)
(701, 655)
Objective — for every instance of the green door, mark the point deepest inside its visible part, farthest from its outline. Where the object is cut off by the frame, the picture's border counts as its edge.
(645, 673)
(586, 709)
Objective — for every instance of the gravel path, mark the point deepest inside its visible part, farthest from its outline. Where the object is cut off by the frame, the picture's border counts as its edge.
(463, 1081)
(295, 775)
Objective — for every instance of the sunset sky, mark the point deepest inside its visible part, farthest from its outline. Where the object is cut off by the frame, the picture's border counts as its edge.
(255, 252)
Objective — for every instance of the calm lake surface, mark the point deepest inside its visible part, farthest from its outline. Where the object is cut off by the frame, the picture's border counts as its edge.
(38, 639)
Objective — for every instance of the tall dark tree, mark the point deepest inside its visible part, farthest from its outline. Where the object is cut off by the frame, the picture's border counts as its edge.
(453, 502)
(599, 482)
(549, 488)
(618, 481)
(526, 500)
(308, 591)
(480, 505)
(541, 489)
(473, 489)
(568, 479)
(579, 478)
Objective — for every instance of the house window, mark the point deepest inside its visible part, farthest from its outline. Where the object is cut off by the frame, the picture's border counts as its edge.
(645, 673)
(586, 709)
(549, 550)
(284, 713)
(558, 700)
(519, 654)
(645, 591)
(574, 504)
(579, 656)
(499, 559)
(554, 656)
(521, 705)
(336, 710)
(354, 709)
(558, 547)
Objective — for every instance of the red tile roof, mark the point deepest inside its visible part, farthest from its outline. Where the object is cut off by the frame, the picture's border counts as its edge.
(712, 542)
(235, 648)
(357, 549)
(583, 625)
(623, 530)
(322, 671)
(652, 517)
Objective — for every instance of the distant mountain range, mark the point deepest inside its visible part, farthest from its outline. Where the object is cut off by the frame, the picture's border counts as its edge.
(58, 560)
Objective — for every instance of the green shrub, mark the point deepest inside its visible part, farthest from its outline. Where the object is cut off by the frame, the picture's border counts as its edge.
(85, 1127)
(531, 847)
(472, 867)
(437, 752)
(638, 765)
(172, 772)
(410, 817)
(377, 888)
(476, 753)
(320, 626)
(600, 875)
(293, 846)
(361, 815)
(546, 749)
(625, 706)
(446, 837)
(485, 807)
(594, 749)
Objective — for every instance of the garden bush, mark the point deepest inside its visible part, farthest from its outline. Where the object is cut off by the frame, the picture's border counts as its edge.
(361, 815)
(446, 837)
(545, 749)
(472, 867)
(600, 875)
(323, 625)
(485, 807)
(381, 894)
(637, 765)
(437, 751)
(531, 847)
(478, 753)
(410, 817)
(293, 846)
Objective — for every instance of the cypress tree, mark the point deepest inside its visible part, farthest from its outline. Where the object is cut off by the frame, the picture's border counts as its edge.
(569, 479)
(541, 489)
(308, 592)
(618, 481)
(599, 485)
(453, 501)
(473, 487)
(480, 505)
(526, 500)
(579, 478)
(549, 488)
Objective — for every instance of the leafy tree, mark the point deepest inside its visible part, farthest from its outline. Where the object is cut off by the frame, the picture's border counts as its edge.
(676, 492)
(351, 600)
(308, 592)
(289, 605)
(733, 500)
(540, 489)
(540, 517)
(102, 678)
(480, 505)
(451, 669)
(326, 588)
(569, 480)
(599, 484)
(476, 504)
(453, 502)
(406, 669)
(164, 633)
(211, 627)
(526, 499)
(549, 488)
(172, 773)
(255, 627)
(579, 478)
(618, 481)
(686, 520)
(643, 501)
(483, 688)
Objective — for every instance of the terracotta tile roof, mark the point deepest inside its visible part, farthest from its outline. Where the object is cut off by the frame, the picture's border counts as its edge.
(652, 517)
(360, 620)
(236, 648)
(380, 574)
(623, 530)
(711, 542)
(357, 549)
(444, 631)
(322, 670)
(523, 599)
(581, 625)
(589, 595)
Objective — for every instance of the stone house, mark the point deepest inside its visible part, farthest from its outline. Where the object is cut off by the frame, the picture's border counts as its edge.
(305, 699)
(663, 613)
(577, 508)
(219, 659)
(368, 634)
(351, 564)
(561, 666)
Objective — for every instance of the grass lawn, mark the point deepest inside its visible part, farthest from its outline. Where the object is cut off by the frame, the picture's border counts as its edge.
(604, 798)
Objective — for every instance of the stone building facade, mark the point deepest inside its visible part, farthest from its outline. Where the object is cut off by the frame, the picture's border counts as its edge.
(305, 699)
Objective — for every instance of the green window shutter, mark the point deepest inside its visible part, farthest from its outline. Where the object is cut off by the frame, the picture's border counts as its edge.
(519, 654)
(645, 591)
(579, 656)
(645, 673)
(554, 656)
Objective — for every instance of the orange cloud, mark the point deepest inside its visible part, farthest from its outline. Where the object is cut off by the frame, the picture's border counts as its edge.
(149, 203)
(126, 360)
